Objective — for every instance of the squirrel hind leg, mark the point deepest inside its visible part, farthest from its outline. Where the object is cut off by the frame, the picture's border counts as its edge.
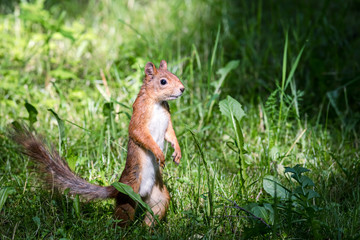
(159, 202)
(124, 210)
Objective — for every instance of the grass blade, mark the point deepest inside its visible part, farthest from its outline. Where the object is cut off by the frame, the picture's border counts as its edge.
(4, 193)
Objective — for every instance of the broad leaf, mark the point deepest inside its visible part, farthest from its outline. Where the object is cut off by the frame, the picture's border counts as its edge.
(260, 212)
(230, 107)
(273, 187)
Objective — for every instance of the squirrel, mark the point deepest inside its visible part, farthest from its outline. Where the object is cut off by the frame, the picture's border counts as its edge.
(149, 127)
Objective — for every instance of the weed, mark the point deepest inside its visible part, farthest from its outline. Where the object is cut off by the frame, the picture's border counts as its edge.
(71, 70)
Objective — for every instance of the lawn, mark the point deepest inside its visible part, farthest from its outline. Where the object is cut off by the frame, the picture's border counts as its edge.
(268, 125)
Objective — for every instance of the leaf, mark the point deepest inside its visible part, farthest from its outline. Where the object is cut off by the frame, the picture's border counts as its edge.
(298, 170)
(305, 181)
(66, 191)
(215, 47)
(36, 220)
(270, 211)
(312, 194)
(4, 193)
(299, 190)
(61, 126)
(223, 72)
(58, 91)
(230, 107)
(77, 205)
(268, 207)
(32, 113)
(108, 108)
(273, 187)
(17, 125)
(275, 153)
(293, 67)
(71, 161)
(239, 136)
(218, 84)
(231, 145)
(67, 34)
(126, 189)
(60, 123)
(229, 66)
(260, 212)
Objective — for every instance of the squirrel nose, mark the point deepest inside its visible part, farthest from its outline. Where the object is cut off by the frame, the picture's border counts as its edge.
(182, 89)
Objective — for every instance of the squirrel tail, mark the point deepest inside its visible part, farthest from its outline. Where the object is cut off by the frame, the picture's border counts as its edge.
(55, 169)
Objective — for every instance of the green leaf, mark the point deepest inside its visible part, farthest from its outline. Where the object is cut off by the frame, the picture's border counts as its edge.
(223, 72)
(240, 137)
(4, 193)
(299, 190)
(71, 161)
(297, 169)
(17, 125)
(270, 212)
(275, 153)
(67, 34)
(218, 84)
(61, 126)
(36, 220)
(228, 68)
(312, 194)
(66, 191)
(32, 113)
(230, 107)
(231, 145)
(58, 91)
(77, 205)
(60, 122)
(293, 67)
(215, 47)
(108, 108)
(260, 212)
(305, 181)
(126, 189)
(273, 187)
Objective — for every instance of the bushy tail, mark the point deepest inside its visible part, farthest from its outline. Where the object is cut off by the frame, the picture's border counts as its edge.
(55, 169)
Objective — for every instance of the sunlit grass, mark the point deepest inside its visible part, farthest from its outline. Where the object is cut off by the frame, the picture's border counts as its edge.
(61, 61)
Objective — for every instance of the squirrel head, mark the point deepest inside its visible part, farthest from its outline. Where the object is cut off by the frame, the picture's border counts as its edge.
(162, 84)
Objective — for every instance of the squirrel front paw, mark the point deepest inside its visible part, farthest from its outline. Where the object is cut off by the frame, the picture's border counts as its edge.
(176, 155)
(160, 156)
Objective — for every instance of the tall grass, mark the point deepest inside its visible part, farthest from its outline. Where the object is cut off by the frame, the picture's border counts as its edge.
(86, 64)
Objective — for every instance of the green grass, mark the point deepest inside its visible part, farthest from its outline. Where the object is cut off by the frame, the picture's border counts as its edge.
(293, 67)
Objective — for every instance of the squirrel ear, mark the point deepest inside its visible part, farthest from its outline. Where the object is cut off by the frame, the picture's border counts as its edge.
(163, 65)
(150, 69)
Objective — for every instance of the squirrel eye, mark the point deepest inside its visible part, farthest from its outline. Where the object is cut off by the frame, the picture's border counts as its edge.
(163, 81)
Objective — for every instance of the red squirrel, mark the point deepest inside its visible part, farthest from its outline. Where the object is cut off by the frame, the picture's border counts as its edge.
(149, 127)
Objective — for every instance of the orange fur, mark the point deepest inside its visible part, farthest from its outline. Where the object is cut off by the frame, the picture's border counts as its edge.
(141, 140)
